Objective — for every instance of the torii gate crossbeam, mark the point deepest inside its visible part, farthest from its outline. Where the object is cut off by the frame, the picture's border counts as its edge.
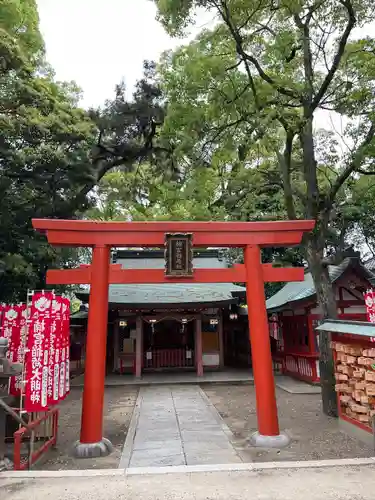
(101, 236)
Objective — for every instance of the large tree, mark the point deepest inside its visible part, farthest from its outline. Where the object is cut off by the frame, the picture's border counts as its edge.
(289, 60)
(52, 153)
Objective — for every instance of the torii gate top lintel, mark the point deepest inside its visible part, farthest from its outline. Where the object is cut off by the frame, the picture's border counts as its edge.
(152, 234)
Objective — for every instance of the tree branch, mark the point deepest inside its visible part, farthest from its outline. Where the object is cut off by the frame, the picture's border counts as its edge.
(353, 166)
(339, 53)
(364, 172)
(225, 15)
(284, 161)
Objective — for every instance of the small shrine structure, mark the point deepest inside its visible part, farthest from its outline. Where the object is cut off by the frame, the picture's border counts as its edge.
(294, 315)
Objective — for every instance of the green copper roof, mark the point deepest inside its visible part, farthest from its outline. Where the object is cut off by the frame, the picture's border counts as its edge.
(296, 291)
(352, 327)
(79, 315)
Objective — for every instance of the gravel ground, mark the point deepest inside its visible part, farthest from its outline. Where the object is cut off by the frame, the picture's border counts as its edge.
(118, 408)
(314, 436)
(339, 483)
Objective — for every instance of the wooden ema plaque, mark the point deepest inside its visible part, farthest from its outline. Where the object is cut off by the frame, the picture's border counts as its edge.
(179, 255)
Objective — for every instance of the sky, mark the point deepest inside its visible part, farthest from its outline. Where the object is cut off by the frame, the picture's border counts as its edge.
(98, 43)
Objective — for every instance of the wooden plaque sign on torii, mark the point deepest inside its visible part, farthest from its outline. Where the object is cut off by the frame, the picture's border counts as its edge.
(177, 238)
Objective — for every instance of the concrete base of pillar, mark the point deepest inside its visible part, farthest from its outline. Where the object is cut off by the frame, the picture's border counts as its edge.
(92, 450)
(260, 441)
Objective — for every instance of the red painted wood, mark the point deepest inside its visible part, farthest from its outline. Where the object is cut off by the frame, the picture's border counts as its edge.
(80, 276)
(198, 347)
(268, 424)
(129, 239)
(152, 234)
(93, 392)
(296, 333)
(171, 226)
(301, 366)
(103, 235)
(311, 333)
(360, 425)
(117, 275)
(168, 358)
(302, 355)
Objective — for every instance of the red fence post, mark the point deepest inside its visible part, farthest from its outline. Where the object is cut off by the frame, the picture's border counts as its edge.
(198, 347)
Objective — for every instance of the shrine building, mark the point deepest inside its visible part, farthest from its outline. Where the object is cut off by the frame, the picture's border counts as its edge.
(294, 314)
(178, 326)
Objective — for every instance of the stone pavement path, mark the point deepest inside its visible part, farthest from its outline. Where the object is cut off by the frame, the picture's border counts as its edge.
(177, 426)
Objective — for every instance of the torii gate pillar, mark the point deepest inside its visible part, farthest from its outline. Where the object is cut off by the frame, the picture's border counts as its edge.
(268, 435)
(92, 443)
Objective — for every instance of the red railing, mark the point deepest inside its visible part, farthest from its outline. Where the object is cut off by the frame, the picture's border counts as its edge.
(302, 366)
(168, 358)
(43, 431)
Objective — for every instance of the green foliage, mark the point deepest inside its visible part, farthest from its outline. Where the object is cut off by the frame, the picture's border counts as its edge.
(293, 58)
(21, 44)
(44, 152)
(245, 95)
(52, 153)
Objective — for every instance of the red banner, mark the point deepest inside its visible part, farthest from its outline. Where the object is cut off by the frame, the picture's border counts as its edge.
(37, 353)
(65, 345)
(42, 345)
(16, 347)
(370, 305)
(10, 319)
(55, 351)
(1, 319)
(10, 329)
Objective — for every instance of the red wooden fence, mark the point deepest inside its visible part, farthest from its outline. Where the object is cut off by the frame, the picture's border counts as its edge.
(168, 358)
(43, 436)
(302, 366)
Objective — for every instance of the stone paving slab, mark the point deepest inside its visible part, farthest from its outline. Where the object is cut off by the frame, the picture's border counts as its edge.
(294, 386)
(227, 376)
(176, 425)
(171, 444)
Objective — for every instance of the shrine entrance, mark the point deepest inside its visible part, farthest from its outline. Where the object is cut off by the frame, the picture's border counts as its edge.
(168, 344)
(178, 238)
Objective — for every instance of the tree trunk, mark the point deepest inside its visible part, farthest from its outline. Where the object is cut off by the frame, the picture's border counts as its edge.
(327, 302)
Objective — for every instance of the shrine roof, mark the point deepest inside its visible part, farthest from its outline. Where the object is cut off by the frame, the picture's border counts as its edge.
(361, 328)
(79, 315)
(157, 295)
(298, 291)
(370, 264)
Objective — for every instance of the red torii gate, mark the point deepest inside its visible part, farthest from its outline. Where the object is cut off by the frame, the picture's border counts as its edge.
(101, 236)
